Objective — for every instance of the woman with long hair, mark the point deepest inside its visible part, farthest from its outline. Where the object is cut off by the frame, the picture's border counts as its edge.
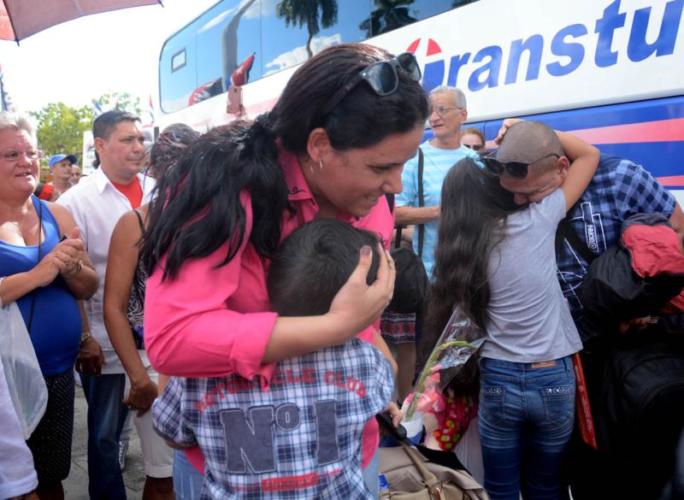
(124, 296)
(496, 261)
(332, 147)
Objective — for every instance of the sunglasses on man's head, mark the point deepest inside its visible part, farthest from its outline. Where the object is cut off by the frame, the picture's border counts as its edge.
(516, 169)
(381, 76)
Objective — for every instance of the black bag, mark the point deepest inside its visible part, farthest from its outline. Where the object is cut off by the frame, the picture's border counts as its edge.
(411, 281)
(636, 380)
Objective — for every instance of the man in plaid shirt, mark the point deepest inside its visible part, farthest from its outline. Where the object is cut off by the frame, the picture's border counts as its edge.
(299, 436)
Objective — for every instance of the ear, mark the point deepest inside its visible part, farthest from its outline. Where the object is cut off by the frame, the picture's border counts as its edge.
(99, 145)
(563, 165)
(465, 114)
(318, 144)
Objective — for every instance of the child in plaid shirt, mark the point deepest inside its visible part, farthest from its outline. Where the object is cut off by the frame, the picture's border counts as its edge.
(300, 436)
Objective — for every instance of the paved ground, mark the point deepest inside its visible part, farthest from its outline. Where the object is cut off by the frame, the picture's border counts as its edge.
(76, 485)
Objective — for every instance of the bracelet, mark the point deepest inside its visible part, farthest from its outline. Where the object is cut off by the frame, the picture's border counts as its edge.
(85, 336)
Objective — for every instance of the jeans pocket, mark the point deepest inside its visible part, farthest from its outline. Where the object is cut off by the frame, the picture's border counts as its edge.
(559, 405)
(491, 407)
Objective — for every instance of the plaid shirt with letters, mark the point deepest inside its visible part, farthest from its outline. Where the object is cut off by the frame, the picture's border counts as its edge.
(297, 438)
(620, 188)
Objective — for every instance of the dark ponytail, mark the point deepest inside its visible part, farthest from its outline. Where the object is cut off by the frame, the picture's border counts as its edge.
(198, 205)
(198, 209)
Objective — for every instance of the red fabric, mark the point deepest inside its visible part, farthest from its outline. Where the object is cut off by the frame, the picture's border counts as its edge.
(47, 192)
(133, 191)
(655, 250)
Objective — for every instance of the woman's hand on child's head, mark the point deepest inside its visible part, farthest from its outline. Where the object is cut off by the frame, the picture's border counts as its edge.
(358, 304)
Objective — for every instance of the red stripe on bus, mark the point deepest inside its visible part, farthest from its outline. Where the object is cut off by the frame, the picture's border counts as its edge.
(673, 180)
(655, 131)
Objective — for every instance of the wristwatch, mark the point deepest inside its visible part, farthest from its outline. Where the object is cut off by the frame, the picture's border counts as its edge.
(85, 336)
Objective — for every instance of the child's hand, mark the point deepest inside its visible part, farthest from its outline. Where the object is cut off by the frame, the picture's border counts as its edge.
(396, 413)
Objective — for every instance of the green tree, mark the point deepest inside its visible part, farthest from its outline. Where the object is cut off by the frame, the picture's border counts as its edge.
(308, 12)
(119, 100)
(389, 15)
(60, 128)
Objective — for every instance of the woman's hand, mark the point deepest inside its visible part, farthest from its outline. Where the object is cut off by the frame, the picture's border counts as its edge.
(90, 357)
(142, 395)
(46, 270)
(71, 253)
(357, 304)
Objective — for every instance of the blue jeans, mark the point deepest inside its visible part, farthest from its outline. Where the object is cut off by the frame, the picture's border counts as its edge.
(526, 419)
(187, 481)
(106, 417)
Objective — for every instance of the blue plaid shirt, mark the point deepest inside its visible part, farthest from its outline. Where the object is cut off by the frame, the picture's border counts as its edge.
(298, 438)
(620, 188)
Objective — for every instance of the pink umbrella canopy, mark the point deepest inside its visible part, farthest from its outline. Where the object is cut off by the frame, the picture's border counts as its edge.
(22, 18)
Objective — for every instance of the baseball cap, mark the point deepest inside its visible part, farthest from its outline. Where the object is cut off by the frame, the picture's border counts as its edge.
(54, 159)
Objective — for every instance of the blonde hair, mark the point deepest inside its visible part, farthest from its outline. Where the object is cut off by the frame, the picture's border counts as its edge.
(17, 121)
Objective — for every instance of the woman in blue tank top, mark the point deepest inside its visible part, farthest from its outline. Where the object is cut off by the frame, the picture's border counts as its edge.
(45, 269)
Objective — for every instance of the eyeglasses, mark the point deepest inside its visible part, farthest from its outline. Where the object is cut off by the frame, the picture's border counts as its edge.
(381, 76)
(474, 147)
(443, 110)
(13, 156)
(517, 169)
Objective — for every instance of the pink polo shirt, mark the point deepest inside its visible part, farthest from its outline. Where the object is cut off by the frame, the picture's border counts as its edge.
(213, 321)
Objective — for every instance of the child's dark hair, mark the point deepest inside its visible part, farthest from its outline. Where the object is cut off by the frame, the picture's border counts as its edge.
(313, 263)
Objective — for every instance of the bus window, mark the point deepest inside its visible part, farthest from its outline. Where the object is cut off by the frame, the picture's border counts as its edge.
(178, 60)
(386, 16)
(219, 46)
(287, 41)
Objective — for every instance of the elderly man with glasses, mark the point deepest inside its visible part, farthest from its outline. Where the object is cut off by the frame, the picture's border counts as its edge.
(439, 154)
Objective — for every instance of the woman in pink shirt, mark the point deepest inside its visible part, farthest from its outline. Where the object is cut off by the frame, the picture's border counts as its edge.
(334, 144)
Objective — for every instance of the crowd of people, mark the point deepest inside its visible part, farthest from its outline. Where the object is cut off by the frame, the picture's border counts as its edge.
(227, 290)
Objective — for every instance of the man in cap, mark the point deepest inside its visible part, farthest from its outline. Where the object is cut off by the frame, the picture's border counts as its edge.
(60, 168)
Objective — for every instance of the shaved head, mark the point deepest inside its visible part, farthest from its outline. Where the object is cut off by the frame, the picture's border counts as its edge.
(526, 142)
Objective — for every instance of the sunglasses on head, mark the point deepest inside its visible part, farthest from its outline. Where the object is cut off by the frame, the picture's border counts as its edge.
(381, 76)
(516, 169)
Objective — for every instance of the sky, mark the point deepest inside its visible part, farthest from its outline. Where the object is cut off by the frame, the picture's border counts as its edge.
(80, 60)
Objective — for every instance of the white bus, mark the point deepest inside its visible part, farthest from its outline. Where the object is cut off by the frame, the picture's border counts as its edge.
(611, 71)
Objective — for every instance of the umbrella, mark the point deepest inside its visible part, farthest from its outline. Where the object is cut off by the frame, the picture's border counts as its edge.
(22, 18)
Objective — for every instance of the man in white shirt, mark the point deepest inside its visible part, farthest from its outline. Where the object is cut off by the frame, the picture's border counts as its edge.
(96, 204)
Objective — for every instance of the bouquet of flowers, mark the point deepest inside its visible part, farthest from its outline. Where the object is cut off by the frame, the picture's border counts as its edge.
(460, 339)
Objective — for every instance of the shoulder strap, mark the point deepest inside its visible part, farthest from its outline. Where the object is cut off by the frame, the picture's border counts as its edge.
(140, 221)
(566, 232)
(421, 202)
